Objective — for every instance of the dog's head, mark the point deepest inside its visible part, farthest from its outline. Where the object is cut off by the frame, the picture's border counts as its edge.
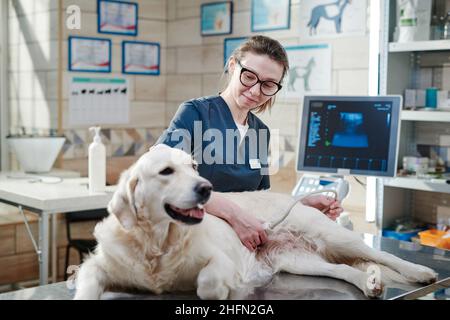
(163, 184)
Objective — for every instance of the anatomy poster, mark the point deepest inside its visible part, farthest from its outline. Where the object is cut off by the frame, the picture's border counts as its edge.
(117, 17)
(216, 18)
(141, 58)
(309, 71)
(270, 15)
(325, 18)
(89, 54)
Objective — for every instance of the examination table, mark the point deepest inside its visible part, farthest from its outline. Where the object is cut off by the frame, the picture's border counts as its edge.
(287, 286)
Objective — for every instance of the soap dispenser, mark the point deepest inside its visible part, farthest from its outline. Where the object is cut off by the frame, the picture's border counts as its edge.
(97, 163)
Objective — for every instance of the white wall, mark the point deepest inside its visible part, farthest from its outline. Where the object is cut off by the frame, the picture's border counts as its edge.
(33, 73)
(32, 56)
(148, 93)
(191, 65)
(195, 66)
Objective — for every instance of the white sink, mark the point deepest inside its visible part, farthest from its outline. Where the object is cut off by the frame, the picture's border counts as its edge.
(36, 154)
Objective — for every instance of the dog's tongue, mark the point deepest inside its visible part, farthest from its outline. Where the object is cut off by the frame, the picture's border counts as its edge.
(196, 213)
(193, 212)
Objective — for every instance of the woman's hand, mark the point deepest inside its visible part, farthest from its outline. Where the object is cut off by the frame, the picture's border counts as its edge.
(331, 207)
(249, 230)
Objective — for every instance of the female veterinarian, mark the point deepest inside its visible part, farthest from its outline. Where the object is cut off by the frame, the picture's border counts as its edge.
(202, 126)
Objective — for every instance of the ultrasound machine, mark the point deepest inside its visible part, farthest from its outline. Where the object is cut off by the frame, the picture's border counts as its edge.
(346, 136)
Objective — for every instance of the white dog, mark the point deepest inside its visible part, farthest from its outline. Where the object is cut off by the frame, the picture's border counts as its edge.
(158, 238)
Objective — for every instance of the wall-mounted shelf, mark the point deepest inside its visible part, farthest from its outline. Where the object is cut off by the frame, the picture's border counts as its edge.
(416, 184)
(400, 68)
(437, 116)
(432, 45)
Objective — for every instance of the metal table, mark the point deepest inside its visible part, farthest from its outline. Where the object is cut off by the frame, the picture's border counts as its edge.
(48, 196)
(286, 286)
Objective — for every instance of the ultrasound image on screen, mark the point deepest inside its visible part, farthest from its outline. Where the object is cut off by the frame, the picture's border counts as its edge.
(348, 134)
(351, 132)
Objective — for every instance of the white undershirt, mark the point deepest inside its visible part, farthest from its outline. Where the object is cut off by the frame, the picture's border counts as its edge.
(242, 130)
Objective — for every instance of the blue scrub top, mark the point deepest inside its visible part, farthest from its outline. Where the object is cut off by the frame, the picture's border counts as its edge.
(206, 129)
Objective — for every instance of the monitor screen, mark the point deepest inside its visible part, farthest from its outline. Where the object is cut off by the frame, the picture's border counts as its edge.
(350, 135)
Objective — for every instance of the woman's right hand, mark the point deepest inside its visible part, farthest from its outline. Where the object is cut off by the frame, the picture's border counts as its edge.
(249, 230)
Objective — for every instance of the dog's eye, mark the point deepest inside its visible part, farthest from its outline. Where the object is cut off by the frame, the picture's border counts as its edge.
(194, 166)
(166, 171)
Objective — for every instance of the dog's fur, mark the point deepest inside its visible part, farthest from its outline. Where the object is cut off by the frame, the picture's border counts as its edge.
(141, 246)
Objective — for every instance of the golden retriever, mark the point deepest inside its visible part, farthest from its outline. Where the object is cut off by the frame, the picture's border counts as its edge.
(159, 238)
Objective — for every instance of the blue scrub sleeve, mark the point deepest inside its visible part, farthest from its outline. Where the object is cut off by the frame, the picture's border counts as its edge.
(180, 132)
(265, 183)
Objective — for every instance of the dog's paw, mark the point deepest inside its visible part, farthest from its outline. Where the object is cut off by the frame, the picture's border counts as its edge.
(373, 286)
(220, 292)
(212, 289)
(421, 274)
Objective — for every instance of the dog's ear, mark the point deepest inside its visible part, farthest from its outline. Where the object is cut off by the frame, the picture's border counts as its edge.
(122, 204)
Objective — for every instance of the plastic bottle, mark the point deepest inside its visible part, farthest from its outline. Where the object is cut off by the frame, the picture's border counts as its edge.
(434, 28)
(407, 21)
(446, 34)
(440, 28)
(97, 163)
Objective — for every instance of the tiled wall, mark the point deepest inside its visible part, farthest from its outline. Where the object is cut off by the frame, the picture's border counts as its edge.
(191, 66)
(119, 142)
(197, 62)
(147, 93)
(34, 75)
(195, 66)
(33, 55)
(18, 259)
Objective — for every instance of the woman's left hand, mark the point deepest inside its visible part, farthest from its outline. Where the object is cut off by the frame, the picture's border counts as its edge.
(329, 206)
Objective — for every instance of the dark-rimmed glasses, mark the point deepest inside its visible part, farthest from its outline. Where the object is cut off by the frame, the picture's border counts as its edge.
(249, 79)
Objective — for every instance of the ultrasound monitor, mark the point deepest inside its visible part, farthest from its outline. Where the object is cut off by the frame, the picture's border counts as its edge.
(350, 135)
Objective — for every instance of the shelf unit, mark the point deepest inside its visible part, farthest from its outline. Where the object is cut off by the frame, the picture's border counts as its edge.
(431, 116)
(417, 184)
(432, 45)
(399, 68)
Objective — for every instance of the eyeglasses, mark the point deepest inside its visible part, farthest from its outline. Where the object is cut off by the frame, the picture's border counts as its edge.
(249, 79)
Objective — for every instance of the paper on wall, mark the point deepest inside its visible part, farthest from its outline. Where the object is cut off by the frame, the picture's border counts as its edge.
(94, 101)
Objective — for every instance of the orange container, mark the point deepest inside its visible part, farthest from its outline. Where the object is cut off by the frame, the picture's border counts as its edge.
(435, 238)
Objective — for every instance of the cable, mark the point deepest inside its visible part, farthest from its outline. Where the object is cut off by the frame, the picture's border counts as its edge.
(273, 224)
(360, 182)
(36, 179)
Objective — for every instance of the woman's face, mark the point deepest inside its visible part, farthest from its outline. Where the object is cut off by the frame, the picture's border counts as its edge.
(264, 67)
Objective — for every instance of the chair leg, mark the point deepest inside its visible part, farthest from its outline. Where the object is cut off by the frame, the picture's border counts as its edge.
(67, 262)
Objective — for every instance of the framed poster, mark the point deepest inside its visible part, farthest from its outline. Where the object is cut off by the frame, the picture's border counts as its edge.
(89, 54)
(229, 44)
(141, 58)
(117, 17)
(269, 15)
(216, 18)
(322, 18)
(309, 71)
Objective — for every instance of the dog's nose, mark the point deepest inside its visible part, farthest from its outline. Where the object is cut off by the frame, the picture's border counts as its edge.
(203, 190)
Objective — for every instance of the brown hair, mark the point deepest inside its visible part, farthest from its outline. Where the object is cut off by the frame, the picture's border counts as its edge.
(264, 46)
